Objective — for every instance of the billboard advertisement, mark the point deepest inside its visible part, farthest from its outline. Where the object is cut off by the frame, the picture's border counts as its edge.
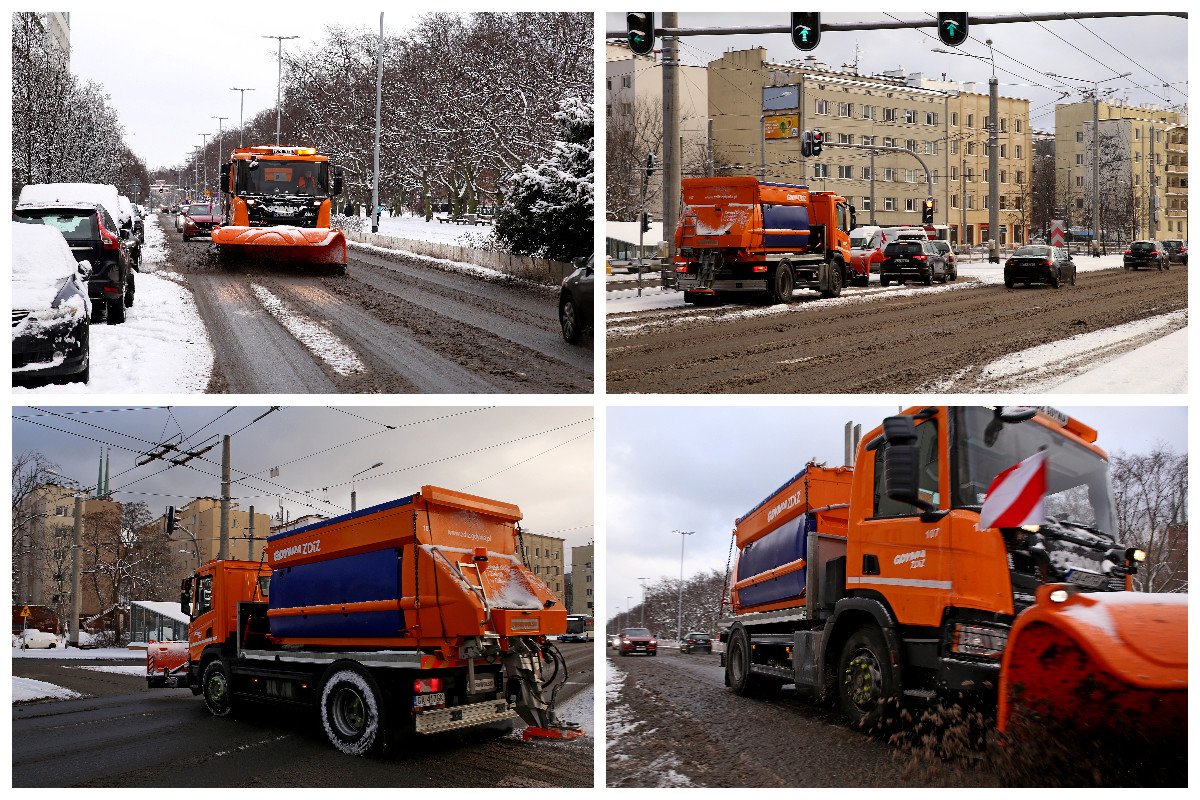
(781, 126)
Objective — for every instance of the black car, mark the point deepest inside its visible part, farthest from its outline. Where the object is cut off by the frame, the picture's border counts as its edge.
(50, 308)
(575, 301)
(913, 259)
(696, 641)
(1148, 253)
(1176, 251)
(1039, 263)
(92, 235)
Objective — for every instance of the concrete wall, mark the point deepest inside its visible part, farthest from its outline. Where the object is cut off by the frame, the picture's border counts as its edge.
(539, 270)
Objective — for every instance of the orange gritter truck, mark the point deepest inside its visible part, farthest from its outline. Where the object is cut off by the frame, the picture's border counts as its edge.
(739, 235)
(874, 582)
(278, 206)
(416, 616)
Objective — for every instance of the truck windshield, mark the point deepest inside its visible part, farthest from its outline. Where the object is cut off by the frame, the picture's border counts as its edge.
(301, 178)
(1077, 483)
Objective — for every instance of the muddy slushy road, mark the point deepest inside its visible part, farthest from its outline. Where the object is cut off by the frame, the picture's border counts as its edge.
(673, 722)
(915, 339)
(390, 324)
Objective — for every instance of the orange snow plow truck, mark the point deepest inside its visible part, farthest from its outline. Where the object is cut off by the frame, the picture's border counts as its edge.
(278, 207)
(875, 583)
(740, 236)
(416, 616)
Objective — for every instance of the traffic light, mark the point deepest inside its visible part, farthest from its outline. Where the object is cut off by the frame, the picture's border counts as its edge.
(818, 141)
(952, 27)
(170, 520)
(640, 27)
(927, 207)
(645, 222)
(649, 164)
(806, 144)
(806, 29)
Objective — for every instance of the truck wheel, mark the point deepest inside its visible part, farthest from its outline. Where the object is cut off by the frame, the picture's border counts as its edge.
(885, 281)
(218, 688)
(784, 283)
(737, 669)
(865, 679)
(835, 280)
(352, 712)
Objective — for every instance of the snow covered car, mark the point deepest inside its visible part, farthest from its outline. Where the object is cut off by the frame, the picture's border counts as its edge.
(50, 306)
(136, 228)
(575, 301)
(82, 214)
(33, 639)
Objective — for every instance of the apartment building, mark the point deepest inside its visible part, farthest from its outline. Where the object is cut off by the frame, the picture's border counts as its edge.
(544, 555)
(583, 582)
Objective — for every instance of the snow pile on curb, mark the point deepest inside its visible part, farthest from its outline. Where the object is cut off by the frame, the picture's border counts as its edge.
(1158, 367)
(138, 670)
(74, 653)
(154, 249)
(474, 270)
(580, 708)
(26, 690)
(320, 341)
(406, 227)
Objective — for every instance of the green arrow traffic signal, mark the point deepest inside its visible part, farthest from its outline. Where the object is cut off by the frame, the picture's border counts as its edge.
(952, 27)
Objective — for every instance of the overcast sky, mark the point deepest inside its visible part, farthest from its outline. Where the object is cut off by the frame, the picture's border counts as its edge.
(700, 468)
(170, 72)
(1158, 45)
(554, 489)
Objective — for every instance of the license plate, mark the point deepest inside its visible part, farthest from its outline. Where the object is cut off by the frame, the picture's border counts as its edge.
(1083, 577)
(430, 700)
(483, 683)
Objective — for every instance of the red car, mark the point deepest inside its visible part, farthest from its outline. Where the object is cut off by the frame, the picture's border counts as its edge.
(199, 219)
(638, 640)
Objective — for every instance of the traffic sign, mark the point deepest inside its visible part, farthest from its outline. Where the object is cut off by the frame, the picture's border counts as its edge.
(25, 612)
(952, 27)
(1058, 233)
(806, 29)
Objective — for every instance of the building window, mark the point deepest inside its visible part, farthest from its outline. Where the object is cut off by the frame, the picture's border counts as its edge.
(954, 201)
(910, 116)
(970, 199)
(1004, 151)
(822, 106)
(970, 120)
(1003, 176)
(987, 123)
(889, 173)
(865, 205)
(845, 138)
(931, 118)
(1137, 157)
(866, 173)
(1137, 135)
(60, 511)
(1003, 125)
(845, 109)
(845, 171)
(626, 81)
(889, 141)
(1079, 203)
(970, 148)
(1079, 159)
(910, 176)
(931, 148)
(1020, 176)
(969, 174)
(537, 570)
(1003, 202)
(1079, 135)
(626, 109)
(820, 170)
(869, 141)
(889, 204)
(889, 115)
(954, 173)
(910, 204)
(986, 202)
(1079, 181)
(910, 145)
(987, 175)
(868, 112)
(1017, 123)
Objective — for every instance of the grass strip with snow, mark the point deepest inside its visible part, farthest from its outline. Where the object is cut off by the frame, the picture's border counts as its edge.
(120, 669)
(319, 341)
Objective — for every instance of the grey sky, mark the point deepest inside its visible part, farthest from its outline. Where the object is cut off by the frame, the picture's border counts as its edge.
(1157, 44)
(699, 468)
(169, 67)
(554, 490)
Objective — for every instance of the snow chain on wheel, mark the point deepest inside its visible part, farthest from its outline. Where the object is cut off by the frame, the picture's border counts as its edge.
(353, 713)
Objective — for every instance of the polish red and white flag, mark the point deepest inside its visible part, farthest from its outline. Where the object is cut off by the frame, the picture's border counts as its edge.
(1016, 497)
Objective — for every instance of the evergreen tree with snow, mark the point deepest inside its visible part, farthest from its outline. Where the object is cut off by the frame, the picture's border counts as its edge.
(548, 209)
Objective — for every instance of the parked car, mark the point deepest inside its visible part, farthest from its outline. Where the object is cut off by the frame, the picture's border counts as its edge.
(638, 640)
(34, 639)
(136, 228)
(945, 249)
(614, 640)
(1039, 263)
(575, 301)
(50, 308)
(93, 235)
(1176, 251)
(694, 641)
(199, 219)
(1148, 253)
(915, 259)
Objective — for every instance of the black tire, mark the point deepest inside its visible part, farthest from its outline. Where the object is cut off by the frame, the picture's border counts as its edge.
(835, 281)
(99, 311)
(84, 375)
(654, 654)
(1054, 279)
(217, 686)
(1074, 274)
(885, 281)
(865, 678)
(130, 289)
(116, 310)
(187, 238)
(783, 284)
(353, 711)
(928, 279)
(570, 319)
(1027, 284)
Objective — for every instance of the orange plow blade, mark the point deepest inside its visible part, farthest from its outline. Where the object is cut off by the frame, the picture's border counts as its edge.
(283, 244)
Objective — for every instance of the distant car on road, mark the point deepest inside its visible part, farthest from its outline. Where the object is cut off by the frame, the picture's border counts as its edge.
(913, 259)
(1148, 253)
(575, 301)
(638, 640)
(694, 641)
(1039, 263)
(50, 306)
(1176, 251)
(945, 249)
(199, 219)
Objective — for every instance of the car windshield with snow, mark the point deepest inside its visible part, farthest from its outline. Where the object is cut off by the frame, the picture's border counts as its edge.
(50, 306)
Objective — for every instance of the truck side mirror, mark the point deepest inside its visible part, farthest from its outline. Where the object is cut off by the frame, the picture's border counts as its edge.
(185, 596)
(901, 462)
(853, 218)
(224, 177)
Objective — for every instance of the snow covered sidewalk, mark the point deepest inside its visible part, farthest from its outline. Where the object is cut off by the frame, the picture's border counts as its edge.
(1158, 367)
(26, 690)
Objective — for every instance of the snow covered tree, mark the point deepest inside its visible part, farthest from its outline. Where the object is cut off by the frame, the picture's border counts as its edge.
(548, 210)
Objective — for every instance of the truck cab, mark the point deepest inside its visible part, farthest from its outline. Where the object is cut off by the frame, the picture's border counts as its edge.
(211, 597)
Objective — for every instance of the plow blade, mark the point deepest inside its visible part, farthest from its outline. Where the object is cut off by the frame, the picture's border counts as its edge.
(1100, 666)
(283, 244)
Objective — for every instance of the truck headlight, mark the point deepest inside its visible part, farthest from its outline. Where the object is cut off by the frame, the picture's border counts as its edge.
(978, 640)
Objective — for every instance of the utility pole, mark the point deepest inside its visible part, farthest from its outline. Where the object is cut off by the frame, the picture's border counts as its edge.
(872, 183)
(204, 158)
(671, 155)
(1096, 168)
(710, 169)
(250, 551)
(682, 539)
(76, 540)
(378, 125)
(220, 155)
(241, 114)
(224, 550)
(993, 162)
(279, 82)
(1151, 228)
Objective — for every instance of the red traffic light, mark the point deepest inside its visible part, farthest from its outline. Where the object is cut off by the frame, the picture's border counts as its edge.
(818, 140)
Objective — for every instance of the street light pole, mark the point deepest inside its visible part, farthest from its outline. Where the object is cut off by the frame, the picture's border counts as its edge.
(279, 82)
(643, 582)
(241, 113)
(378, 126)
(204, 158)
(353, 493)
(220, 152)
(682, 534)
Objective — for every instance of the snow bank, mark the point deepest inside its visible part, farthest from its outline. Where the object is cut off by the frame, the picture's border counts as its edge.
(463, 267)
(27, 689)
(50, 195)
(580, 708)
(1158, 368)
(154, 249)
(62, 653)
(319, 340)
(120, 669)
(162, 347)
(41, 261)
(406, 227)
